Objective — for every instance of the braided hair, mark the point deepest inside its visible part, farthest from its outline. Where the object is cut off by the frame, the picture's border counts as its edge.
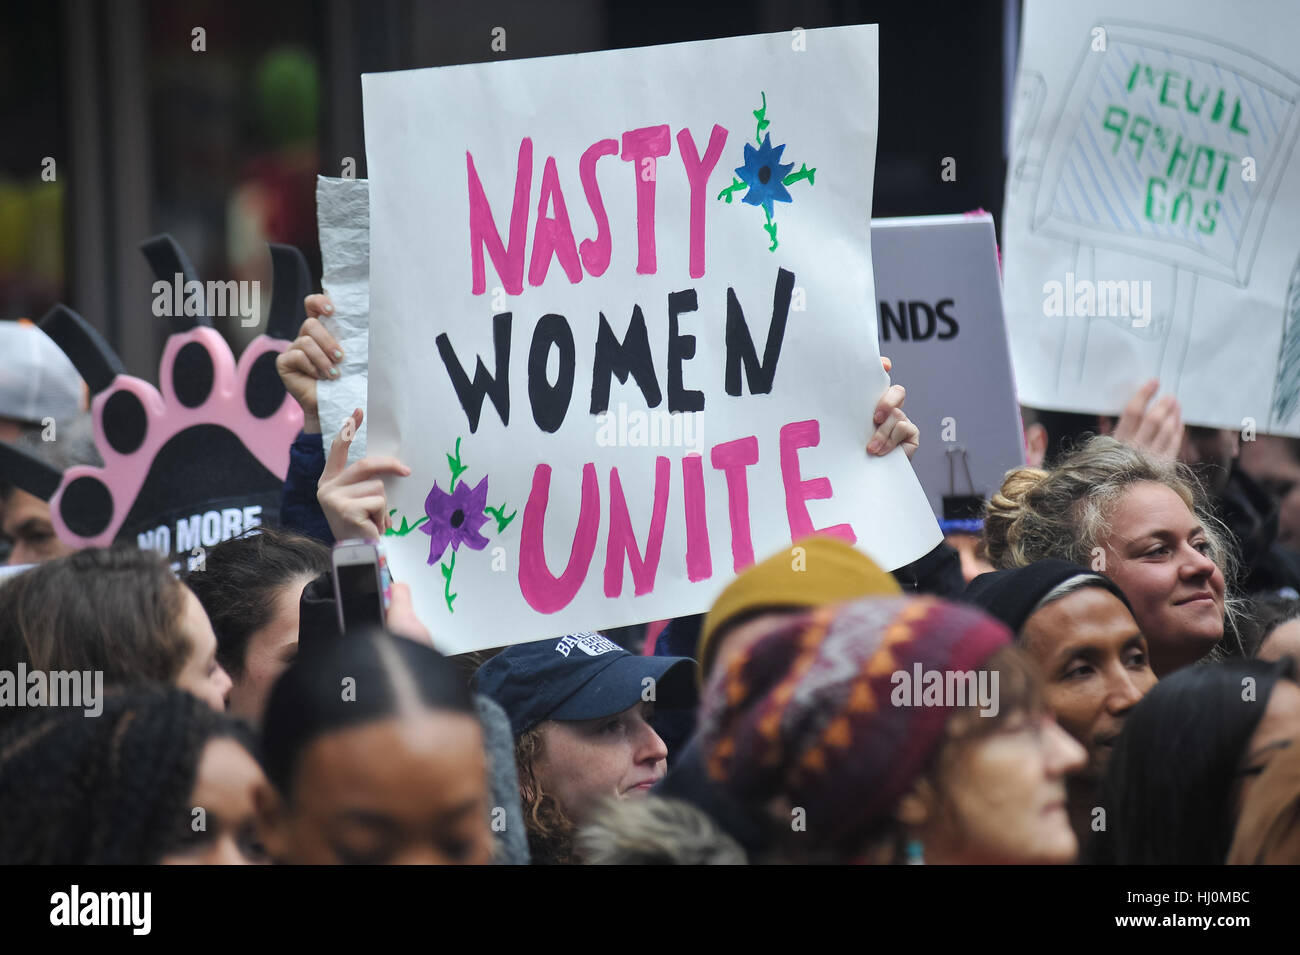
(108, 790)
(341, 682)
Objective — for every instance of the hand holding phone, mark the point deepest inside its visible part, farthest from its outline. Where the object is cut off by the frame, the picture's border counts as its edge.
(402, 620)
(362, 585)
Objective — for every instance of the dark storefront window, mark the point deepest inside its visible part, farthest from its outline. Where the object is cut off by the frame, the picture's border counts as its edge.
(32, 178)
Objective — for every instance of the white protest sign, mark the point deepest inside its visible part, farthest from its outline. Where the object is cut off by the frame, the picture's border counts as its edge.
(1153, 208)
(617, 328)
(940, 310)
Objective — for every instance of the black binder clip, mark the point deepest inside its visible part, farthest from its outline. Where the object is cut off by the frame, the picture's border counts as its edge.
(962, 513)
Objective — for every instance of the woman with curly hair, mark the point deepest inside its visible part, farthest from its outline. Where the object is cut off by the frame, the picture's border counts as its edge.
(1141, 521)
(580, 709)
(157, 777)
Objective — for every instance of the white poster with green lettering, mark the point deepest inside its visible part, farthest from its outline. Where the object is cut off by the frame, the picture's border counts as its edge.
(1153, 209)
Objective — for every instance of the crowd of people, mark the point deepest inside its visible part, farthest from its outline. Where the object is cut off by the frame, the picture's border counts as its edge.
(1106, 673)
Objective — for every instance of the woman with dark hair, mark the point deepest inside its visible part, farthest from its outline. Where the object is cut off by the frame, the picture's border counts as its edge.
(119, 612)
(1268, 830)
(375, 754)
(250, 588)
(1188, 757)
(157, 777)
(1272, 629)
(1078, 628)
(889, 730)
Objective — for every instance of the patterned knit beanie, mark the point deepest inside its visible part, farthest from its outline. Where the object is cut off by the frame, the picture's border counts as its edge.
(823, 712)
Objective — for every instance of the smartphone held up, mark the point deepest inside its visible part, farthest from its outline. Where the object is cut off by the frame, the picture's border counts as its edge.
(362, 584)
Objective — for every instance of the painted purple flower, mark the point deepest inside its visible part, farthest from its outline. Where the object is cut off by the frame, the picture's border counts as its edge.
(455, 518)
(763, 171)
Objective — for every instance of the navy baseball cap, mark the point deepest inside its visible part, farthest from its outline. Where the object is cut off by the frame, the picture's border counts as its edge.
(583, 676)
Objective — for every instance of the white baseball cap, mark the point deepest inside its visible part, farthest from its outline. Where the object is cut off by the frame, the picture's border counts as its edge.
(37, 380)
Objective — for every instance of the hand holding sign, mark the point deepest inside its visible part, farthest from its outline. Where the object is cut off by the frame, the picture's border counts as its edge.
(893, 427)
(1157, 429)
(314, 355)
(352, 496)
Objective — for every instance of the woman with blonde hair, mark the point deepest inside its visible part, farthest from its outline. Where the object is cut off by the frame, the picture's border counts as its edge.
(1143, 522)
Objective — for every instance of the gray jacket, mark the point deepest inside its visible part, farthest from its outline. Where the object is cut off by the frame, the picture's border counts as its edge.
(506, 814)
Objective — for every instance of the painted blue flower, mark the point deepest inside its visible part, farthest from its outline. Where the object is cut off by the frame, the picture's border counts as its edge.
(763, 172)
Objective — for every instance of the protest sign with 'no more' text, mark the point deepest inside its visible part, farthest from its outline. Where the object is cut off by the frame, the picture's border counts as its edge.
(620, 316)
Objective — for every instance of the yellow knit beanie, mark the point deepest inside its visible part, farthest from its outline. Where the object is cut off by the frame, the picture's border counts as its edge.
(815, 571)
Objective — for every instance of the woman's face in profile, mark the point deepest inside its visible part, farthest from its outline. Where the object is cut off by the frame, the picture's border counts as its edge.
(584, 762)
(1003, 795)
(201, 675)
(267, 654)
(1278, 729)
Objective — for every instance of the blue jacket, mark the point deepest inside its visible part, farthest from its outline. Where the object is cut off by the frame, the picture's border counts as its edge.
(299, 509)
